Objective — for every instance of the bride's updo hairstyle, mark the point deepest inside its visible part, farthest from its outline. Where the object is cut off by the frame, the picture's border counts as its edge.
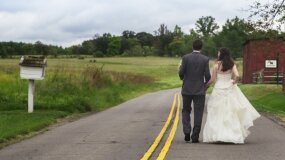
(226, 59)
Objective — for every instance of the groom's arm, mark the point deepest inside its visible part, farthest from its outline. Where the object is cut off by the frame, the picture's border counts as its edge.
(182, 69)
(207, 72)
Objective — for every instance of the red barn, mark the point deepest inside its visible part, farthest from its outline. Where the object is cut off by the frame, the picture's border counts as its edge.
(260, 60)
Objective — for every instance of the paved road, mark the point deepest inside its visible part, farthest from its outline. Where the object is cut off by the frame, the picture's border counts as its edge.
(266, 142)
(126, 131)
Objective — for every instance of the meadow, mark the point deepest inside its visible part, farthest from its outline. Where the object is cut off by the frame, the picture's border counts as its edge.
(74, 86)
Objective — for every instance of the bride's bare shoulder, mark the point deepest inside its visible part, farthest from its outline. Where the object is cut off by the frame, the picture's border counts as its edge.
(217, 64)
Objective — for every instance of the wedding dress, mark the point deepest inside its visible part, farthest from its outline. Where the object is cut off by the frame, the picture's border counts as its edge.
(230, 114)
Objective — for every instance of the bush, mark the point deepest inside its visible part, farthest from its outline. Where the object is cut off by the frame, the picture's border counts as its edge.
(92, 60)
(137, 51)
(80, 57)
(98, 54)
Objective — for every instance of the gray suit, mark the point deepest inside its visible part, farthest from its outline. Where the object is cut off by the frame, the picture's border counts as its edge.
(194, 71)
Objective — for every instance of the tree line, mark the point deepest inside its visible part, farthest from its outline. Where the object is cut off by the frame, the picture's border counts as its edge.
(162, 42)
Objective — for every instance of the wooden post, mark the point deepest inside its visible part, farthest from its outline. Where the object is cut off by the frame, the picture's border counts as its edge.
(31, 95)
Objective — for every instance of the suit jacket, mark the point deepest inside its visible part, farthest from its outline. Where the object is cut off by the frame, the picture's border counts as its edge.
(194, 71)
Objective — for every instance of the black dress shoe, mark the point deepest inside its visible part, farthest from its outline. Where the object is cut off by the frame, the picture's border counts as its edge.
(195, 141)
(195, 138)
(187, 137)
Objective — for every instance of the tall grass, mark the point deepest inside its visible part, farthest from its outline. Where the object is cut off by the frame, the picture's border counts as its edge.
(77, 86)
(66, 90)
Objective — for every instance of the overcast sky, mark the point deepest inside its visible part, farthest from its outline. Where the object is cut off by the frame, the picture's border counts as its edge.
(68, 22)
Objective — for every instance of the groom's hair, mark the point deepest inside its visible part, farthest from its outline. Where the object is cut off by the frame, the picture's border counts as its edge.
(197, 44)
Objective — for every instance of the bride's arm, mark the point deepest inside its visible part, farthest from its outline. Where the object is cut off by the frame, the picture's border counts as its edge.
(235, 74)
(214, 75)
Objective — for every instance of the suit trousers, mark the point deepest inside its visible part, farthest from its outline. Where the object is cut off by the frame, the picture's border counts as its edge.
(199, 103)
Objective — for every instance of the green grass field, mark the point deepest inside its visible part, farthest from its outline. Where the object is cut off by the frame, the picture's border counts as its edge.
(16, 123)
(266, 98)
(74, 86)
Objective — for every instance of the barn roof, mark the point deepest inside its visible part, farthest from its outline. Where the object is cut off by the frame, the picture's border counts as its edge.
(282, 38)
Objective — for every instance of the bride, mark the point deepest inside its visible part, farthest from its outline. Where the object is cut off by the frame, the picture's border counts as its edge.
(230, 114)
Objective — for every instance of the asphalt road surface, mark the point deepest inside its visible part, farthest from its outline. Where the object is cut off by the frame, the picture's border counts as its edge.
(126, 132)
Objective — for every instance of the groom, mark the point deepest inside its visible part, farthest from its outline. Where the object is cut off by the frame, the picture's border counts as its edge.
(194, 71)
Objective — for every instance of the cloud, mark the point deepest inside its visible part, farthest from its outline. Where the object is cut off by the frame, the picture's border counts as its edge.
(67, 22)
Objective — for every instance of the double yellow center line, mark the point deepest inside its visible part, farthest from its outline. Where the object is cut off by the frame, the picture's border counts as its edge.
(164, 150)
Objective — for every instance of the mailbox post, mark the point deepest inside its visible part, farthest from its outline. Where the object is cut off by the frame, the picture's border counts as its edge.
(31, 95)
(32, 68)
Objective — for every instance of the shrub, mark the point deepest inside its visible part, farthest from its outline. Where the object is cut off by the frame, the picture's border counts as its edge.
(80, 57)
(98, 54)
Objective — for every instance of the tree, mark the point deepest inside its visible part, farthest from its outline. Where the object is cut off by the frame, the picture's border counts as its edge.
(3, 51)
(114, 46)
(188, 40)
(145, 39)
(178, 33)
(268, 13)
(209, 47)
(234, 33)
(102, 42)
(52, 50)
(177, 47)
(74, 49)
(128, 34)
(127, 43)
(234, 42)
(41, 48)
(206, 26)
(128, 40)
(261, 34)
(88, 47)
(240, 25)
(164, 38)
(28, 48)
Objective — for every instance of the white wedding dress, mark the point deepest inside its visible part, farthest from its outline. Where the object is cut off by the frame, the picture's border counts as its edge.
(230, 114)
